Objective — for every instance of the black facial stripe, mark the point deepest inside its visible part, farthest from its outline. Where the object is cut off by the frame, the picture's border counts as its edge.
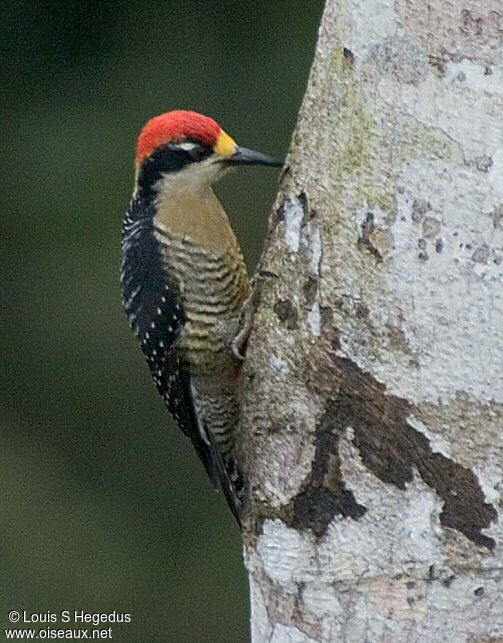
(170, 158)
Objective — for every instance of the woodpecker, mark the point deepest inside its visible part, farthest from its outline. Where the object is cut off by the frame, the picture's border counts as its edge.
(184, 281)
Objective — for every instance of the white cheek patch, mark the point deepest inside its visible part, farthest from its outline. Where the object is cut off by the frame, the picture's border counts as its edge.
(193, 179)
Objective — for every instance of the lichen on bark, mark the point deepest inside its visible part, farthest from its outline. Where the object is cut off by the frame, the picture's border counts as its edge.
(372, 390)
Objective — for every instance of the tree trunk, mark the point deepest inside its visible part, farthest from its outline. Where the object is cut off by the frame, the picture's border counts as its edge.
(373, 386)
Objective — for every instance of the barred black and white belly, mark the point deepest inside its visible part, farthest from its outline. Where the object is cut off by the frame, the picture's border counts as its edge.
(213, 289)
(217, 409)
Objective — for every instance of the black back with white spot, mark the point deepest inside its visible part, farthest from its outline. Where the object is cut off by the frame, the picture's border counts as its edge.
(151, 299)
(152, 303)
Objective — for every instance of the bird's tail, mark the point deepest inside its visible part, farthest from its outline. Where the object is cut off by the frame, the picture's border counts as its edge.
(227, 476)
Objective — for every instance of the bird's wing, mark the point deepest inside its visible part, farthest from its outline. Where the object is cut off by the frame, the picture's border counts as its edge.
(152, 303)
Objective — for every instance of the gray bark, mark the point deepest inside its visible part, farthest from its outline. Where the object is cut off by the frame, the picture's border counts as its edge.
(373, 387)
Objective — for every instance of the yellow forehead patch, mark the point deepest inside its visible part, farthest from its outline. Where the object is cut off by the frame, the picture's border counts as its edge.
(225, 145)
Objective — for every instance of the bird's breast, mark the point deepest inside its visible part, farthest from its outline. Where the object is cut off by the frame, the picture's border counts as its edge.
(212, 278)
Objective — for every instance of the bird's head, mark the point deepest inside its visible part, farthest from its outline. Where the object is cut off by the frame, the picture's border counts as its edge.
(186, 152)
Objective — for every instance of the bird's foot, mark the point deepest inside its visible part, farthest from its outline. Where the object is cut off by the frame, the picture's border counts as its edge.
(238, 345)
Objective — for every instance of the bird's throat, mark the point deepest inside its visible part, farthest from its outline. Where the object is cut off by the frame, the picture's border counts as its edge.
(199, 219)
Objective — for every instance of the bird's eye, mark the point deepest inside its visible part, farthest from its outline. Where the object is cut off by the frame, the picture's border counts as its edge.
(190, 151)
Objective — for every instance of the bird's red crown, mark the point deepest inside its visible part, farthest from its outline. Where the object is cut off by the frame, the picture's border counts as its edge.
(176, 125)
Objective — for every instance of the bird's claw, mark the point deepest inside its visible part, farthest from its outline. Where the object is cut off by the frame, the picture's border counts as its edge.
(245, 325)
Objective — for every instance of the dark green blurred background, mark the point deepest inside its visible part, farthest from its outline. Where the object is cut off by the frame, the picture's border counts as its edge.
(103, 503)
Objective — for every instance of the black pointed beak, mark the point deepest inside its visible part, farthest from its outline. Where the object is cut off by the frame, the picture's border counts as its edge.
(244, 156)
